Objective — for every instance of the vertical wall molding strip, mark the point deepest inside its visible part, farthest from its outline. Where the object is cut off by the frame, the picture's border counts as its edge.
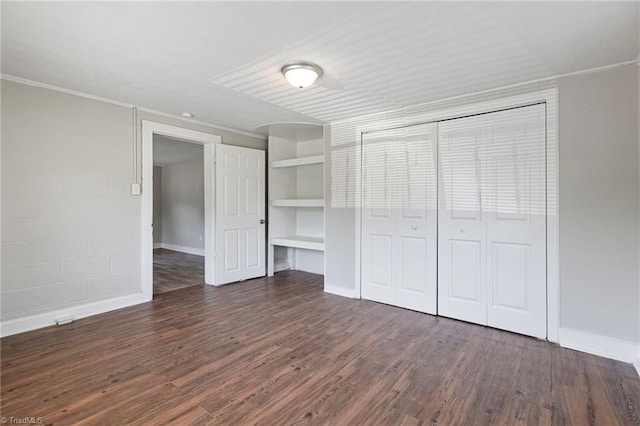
(135, 145)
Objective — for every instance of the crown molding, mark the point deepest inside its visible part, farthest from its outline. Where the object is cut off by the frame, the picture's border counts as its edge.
(33, 83)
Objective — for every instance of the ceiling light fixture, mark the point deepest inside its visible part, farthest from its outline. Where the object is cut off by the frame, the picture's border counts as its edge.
(301, 74)
(187, 115)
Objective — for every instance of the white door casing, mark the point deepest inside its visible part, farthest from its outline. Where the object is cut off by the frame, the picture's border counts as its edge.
(150, 128)
(240, 214)
(399, 223)
(492, 220)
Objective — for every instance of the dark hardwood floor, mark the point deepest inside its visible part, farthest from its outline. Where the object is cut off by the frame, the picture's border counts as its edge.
(279, 351)
(173, 270)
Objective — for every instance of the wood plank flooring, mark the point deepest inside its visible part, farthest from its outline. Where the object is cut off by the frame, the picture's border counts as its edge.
(279, 351)
(173, 270)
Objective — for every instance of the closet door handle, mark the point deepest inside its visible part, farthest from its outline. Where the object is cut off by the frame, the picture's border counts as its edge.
(262, 221)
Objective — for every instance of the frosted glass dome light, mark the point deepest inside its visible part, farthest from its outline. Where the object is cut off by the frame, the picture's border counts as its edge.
(301, 74)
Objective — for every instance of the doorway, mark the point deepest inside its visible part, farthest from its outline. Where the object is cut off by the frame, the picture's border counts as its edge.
(207, 143)
(234, 207)
(178, 214)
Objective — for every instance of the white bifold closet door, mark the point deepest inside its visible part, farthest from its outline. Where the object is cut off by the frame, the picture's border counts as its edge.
(492, 220)
(399, 217)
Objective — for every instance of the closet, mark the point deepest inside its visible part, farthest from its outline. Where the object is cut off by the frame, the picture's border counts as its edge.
(454, 218)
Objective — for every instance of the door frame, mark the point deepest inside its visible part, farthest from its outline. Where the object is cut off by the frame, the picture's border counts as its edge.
(150, 128)
(550, 98)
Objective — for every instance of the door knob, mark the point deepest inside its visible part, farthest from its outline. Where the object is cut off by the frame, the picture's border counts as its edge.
(262, 221)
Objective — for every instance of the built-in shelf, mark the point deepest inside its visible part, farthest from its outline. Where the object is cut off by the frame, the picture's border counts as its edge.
(302, 161)
(296, 197)
(298, 241)
(312, 202)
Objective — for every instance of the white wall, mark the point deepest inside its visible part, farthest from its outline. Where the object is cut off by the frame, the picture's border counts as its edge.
(598, 200)
(183, 205)
(70, 228)
(599, 203)
(157, 205)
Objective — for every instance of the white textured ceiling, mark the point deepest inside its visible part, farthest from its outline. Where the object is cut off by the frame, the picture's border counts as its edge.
(168, 151)
(221, 60)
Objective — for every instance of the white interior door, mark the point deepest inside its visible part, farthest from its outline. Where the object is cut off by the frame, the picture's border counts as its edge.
(492, 220)
(399, 223)
(240, 213)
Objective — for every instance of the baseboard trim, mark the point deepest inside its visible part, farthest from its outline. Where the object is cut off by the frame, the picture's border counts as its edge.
(182, 249)
(636, 364)
(46, 319)
(157, 245)
(339, 291)
(309, 271)
(604, 346)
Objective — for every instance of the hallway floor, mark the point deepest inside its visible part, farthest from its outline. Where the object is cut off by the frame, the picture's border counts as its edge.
(173, 270)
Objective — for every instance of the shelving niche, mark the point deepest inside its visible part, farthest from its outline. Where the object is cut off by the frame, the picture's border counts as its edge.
(296, 198)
